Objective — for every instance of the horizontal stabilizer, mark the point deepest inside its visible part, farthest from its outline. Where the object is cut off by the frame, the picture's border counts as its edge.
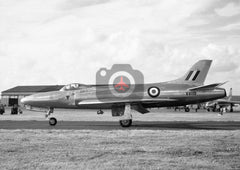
(206, 87)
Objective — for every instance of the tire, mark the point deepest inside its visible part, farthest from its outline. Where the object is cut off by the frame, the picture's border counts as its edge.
(126, 123)
(187, 109)
(52, 121)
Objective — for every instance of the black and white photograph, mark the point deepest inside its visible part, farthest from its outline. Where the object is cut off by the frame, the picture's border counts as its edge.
(120, 84)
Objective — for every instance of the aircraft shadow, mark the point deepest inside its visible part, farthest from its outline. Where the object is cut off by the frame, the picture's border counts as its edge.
(190, 125)
(137, 125)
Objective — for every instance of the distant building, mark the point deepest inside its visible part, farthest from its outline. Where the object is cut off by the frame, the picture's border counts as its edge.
(14, 95)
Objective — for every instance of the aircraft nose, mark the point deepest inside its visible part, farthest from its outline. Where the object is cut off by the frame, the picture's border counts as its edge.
(41, 99)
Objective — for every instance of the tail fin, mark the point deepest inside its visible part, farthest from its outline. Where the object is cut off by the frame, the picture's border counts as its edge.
(229, 95)
(196, 74)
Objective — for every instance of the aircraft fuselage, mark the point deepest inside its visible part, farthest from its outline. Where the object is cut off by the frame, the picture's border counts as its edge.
(171, 95)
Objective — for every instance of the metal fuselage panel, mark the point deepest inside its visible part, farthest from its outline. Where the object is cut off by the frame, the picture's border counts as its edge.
(71, 99)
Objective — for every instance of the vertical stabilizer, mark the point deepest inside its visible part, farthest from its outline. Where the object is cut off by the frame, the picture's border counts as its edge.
(196, 74)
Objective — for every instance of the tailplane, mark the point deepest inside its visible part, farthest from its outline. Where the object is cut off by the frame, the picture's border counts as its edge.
(196, 74)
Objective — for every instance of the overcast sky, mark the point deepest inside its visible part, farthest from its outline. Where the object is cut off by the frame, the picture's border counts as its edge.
(66, 41)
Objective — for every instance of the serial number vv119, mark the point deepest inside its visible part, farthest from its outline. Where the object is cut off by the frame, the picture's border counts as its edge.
(191, 93)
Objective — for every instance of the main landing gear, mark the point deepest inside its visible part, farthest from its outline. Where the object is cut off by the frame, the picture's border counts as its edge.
(52, 120)
(126, 122)
(126, 119)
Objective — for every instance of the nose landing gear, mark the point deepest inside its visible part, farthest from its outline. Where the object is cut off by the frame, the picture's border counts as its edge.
(52, 120)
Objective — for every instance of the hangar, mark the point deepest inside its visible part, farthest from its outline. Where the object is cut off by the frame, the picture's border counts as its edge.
(14, 95)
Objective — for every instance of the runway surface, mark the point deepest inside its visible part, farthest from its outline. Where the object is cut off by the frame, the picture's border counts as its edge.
(138, 125)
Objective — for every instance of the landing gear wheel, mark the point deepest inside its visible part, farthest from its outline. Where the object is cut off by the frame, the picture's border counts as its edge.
(187, 109)
(52, 121)
(126, 122)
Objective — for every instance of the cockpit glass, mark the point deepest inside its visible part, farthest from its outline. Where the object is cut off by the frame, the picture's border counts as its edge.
(73, 86)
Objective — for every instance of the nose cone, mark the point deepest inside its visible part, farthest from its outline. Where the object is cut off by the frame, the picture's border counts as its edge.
(46, 99)
(34, 99)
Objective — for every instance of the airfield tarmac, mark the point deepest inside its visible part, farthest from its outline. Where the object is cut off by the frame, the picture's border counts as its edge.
(162, 139)
(137, 125)
(157, 119)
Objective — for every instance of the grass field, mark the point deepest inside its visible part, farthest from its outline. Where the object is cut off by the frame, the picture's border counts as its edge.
(119, 149)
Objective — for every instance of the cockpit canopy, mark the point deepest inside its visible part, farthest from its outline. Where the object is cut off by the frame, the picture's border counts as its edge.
(74, 86)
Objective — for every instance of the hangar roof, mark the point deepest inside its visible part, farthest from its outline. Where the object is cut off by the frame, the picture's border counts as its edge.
(32, 89)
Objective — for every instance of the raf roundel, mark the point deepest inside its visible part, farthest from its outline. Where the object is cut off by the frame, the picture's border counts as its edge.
(153, 91)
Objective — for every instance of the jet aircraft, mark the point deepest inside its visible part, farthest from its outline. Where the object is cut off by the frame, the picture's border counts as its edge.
(188, 89)
(223, 103)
